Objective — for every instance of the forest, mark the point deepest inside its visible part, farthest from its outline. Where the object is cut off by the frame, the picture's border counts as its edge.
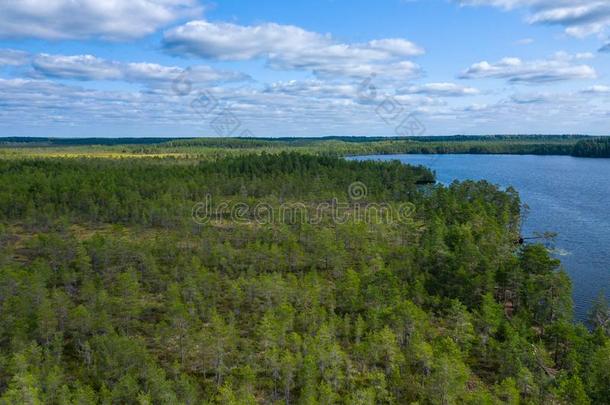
(599, 148)
(112, 293)
(205, 148)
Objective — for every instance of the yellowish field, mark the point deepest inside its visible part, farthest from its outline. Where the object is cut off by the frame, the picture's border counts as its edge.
(92, 152)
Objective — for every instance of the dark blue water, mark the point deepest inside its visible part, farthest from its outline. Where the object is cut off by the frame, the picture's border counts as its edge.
(570, 196)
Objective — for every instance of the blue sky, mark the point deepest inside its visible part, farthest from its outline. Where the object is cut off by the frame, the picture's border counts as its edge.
(303, 68)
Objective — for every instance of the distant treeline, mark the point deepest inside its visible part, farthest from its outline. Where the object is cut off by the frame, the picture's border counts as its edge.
(592, 148)
(567, 145)
(574, 145)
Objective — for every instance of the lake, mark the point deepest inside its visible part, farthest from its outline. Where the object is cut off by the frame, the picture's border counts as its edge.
(567, 195)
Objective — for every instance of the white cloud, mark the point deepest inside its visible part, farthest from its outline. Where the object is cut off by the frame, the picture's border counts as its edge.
(112, 19)
(579, 17)
(559, 67)
(293, 48)
(389, 71)
(227, 41)
(395, 47)
(331, 93)
(584, 55)
(441, 90)
(597, 89)
(57, 107)
(13, 57)
(309, 108)
(314, 89)
(529, 113)
(89, 67)
(79, 67)
(328, 104)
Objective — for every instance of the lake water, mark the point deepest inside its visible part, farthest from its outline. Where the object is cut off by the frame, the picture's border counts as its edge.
(567, 195)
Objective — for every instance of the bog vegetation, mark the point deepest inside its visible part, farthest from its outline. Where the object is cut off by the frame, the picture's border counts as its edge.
(110, 293)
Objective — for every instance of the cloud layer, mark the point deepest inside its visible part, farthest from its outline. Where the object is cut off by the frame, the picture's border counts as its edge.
(88, 67)
(289, 108)
(92, 68)
(579, 17)
(288, 47)
(441, 90)
(561, 67)
(13, 57)
(320, 84)
(111, 19)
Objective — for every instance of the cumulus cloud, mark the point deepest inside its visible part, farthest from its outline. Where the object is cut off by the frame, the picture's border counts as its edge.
(227, 41)
(441, 90)
(579, 17)
(67, 19)
(558, 68)
(89, 68)
(292, 48)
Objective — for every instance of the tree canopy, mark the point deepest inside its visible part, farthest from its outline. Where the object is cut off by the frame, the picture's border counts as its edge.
(111, 293)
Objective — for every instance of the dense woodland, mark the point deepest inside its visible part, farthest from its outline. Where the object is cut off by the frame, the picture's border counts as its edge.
(110, 293)
(599, 148)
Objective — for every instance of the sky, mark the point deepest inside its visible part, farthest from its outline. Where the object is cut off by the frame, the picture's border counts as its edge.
(268, 68)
